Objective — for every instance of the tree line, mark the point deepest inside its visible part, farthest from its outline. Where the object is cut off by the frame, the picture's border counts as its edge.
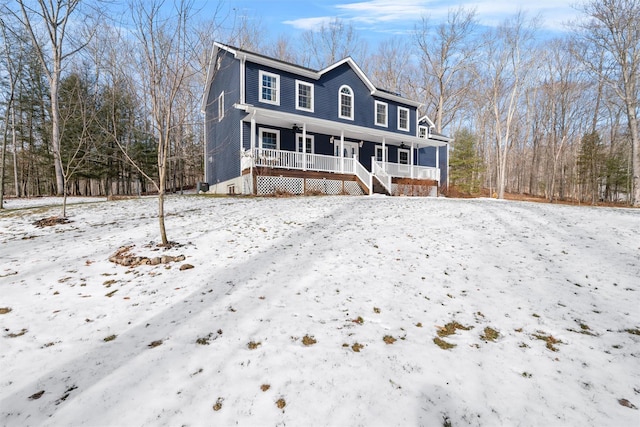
(97, 104)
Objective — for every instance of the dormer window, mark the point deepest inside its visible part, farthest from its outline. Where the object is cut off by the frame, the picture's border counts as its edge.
(422, 132)
(269, 88)
(345, 103)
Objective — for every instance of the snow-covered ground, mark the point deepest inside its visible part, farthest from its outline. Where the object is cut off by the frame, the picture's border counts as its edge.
(543, 299)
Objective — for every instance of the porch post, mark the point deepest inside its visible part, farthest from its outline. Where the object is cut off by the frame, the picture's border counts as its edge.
(384, 154)
(342, 151)
(411, 159)
(253, 135)
(304, 146)
(438, 162)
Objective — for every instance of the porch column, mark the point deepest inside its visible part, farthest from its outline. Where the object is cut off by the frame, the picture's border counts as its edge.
(438, 163)
(253, 135)
(342, 151)
(411, 159)
(384, 154)
(304, 146)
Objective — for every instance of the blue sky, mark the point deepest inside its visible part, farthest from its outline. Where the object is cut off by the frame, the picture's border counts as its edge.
(378, 19)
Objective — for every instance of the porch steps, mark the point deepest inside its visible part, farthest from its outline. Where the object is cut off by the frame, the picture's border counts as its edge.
(378, 188)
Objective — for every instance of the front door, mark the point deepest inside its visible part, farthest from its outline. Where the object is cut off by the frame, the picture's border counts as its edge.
(351, 149)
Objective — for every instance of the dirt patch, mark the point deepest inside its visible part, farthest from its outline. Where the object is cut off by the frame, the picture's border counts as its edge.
(388, 339)
(357, 347)
(308, 340)
(51, 221)
(281, 403)
(490, 334)
(626, 403)
(109, 338)
(265, 387)
(252, 345)
(443, 344)
(123, 256)
(450, 329)
(549, 340)
(5, 310)
(36, 396)
(154, 344)
(218, 405)
(18, 334)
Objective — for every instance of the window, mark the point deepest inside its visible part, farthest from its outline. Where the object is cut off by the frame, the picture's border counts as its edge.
(221, 107)
(381, 113)
(422, 132)
(269, 139)
(269, 88)
(310, 144)
(345, 103)
(403, 156)
(379, 153)
(304, 96)
(403, 118)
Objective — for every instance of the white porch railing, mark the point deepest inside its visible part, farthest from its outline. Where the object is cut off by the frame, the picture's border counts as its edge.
(378, 171)
(363, 174)
(304, 161)
(409, 171)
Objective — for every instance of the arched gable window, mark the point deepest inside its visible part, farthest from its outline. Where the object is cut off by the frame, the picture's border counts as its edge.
(345, 102)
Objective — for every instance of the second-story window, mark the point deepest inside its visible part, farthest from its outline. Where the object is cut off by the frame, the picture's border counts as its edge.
(403, 118)
(381, 113)
(304, 96)
(422, 132)
(345, 101)
(269, 88)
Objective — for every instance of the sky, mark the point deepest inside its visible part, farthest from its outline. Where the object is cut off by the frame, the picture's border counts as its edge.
(380, 19)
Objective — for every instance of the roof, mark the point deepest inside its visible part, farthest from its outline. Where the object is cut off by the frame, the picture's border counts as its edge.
(309, 72)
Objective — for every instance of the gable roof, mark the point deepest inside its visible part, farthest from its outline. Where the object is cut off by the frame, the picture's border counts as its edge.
(307, 72)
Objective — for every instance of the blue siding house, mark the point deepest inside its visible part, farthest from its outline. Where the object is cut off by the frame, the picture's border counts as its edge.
(273, 126)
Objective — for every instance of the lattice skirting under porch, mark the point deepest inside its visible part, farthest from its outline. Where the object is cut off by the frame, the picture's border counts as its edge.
(269, 185)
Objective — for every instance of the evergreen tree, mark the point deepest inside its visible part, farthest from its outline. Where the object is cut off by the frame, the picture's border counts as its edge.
(591, 164)
(465, 163)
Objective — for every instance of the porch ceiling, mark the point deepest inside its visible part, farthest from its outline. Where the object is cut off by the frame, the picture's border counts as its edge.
(328, 127)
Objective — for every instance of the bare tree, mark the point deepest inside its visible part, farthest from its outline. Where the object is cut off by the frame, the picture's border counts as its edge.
(507, 64)
(391, 66)
(57, 18)
(446, 59)
(331, 42)
(163, 63)
(612, 31)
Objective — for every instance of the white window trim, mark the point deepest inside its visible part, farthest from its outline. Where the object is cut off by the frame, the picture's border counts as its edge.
(299, 140)
(340, 103)
(386, 113)
(403, 150)
(221, 106)
(426, 132)
(386, 153)
(311, 85)
(262, 130)
(408, 119)
(277, 89)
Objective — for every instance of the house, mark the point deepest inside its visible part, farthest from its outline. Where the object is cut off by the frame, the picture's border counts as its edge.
(273, 126)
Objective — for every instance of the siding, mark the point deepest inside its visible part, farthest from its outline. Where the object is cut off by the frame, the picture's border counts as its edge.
(223, 138)
(326, 97)
(427, 157)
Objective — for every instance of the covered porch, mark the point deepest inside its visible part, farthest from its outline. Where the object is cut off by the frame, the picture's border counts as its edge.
(334, 148)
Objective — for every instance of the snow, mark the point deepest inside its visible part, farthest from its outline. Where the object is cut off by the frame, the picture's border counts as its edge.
(342, 270)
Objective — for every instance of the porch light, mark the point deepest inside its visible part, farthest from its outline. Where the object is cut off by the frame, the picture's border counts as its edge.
(402, 145)
(332, 140)
(296, 128)
(361, 143)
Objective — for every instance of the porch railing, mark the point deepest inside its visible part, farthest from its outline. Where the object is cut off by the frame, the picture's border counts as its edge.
(409, 171)
(379, 172)
(364, 176)
(304, 161)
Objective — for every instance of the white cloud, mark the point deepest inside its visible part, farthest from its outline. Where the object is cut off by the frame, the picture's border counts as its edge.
(309, 23)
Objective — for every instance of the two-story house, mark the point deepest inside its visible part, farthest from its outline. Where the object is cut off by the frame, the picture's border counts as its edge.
(273, 126)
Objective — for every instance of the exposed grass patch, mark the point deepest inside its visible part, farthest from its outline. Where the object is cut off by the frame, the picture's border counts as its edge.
(5, 310)
(376, 310)
(549, 340)
(281, 403)
(450, 329)
(252, 345)
(635, 331)
(388, 339)
(443, 344)
(359, 320)
(265, 387)
(308, 340)
(110, 294)
(218, 405)
(357, 347)
(419, 325)
(17, 334)
(109, 338)
(155, 343)
(490, 334)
